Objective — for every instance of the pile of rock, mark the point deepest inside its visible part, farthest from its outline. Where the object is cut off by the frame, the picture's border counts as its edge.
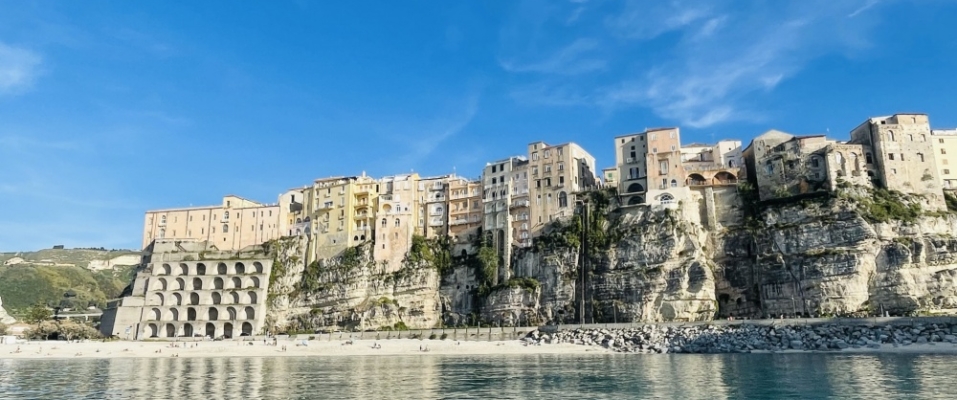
(747, 338)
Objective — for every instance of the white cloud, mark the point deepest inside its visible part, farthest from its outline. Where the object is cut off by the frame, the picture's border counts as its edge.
(18, 68)
(569, 60)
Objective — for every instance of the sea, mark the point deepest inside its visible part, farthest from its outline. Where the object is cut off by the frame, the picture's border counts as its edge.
(598, 376)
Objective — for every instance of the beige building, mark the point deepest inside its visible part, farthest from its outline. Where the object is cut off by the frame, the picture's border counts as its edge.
(712, 165)
(555, 174)
(650, 168)
(398, 215)
(465, 212)
(232, 225)
(609, 177)
(944, 142)
(507, 213)
(340, 213)
(904, 154)
(434, 206)
(293, 219)
(192, 289)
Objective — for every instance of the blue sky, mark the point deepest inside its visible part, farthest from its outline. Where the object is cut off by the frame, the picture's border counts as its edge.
(108, 109)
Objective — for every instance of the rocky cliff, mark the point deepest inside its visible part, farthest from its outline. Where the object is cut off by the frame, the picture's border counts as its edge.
(859, 252)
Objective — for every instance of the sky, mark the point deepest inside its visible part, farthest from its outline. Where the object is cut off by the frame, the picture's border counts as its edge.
(109, 109)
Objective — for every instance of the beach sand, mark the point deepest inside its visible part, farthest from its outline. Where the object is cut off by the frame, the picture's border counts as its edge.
(315, 348)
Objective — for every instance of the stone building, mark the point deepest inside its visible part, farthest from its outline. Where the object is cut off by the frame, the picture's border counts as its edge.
(944, 142)
(293, 219)
(398, 216)
(555, 174)
(650, 168)
(711, 165)
(506, 207)
(340, 212)
(783, 165)
(465, 213)
(190, 288)
(609, 177)
(232, 225)
(903, 157)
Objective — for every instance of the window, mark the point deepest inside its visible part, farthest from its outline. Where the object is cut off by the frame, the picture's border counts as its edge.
(654, 150)
(664, 183)
(163, 219)
(890, 135)
(894, 171)
(562, 200)
(384, 222)
(920, 156)
(548, 169)
(202, 231)
(663, 167)
(769, 168)
(561, 167)
(814, 162)
(674, 183)
(546, 153)
(225, 228)
(535, 156)
(549, 200)
(911, 137)
(940, 141)
(943, 151)
(671, 135)
(397, 222)
(869, 158)
(890, 156)
(946, 172)
(225, 215)
(672, 147)
(561, 180)
(538, 183)
(494, 181)
(548, 181)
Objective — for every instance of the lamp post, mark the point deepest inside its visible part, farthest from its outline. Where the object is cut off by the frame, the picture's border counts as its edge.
(583, 207)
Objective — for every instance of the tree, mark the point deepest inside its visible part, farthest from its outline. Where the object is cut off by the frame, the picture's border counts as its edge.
(3, 329)
(37, 314)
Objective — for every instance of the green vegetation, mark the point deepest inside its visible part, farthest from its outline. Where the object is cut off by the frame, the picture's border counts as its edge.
(951, 202)
(436, 252)
(3, 329)
(882, 205)
(37, 314)
(25, 285)
(66, 330)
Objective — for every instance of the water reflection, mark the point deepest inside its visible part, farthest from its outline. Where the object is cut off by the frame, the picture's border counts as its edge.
(549, 376)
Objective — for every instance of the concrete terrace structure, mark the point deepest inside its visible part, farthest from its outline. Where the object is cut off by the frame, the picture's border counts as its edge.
(232, 225)
(188, 289)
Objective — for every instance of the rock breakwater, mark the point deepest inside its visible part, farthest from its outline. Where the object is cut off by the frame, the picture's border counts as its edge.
(746, 338)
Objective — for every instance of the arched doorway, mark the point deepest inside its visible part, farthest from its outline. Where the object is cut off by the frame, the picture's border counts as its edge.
(170, 330)
(258, 266)
(188, 330)
(255, 282)
(177, 299)
(200, 269)
(191, 314)
(240, 268)
(635, 188)
(152, 331)
(247, 329)
(228, 330)
(197, 284)
(696, 180)
(237, 283)
(221, 269)
(635, 200)
(231, 312)
(234, 297)
(217, 298)
(162, 284)
(250, 313)
(194, 299)
(252, 297)
(213, 314)
(725, 178)
(157, 299)
(183, 269)
(165, 270)
(156, 314)
(180, 284)
(218, 283)
(210, 330)
(174, 313)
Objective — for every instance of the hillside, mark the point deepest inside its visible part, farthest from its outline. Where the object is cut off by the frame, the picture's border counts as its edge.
(77, 257)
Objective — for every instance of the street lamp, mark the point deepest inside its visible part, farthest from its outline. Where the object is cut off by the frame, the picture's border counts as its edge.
(583, 207)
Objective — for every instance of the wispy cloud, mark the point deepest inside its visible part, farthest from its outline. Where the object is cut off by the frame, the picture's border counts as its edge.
(569, 60)
(19, 68)
(696, 65)
(438, 130)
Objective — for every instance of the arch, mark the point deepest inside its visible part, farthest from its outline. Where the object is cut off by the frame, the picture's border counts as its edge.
(234, 297)
(165, 270)
(217, 298)
(197, 284)
(194, 298)
(156, 314)
(210, 330)
(231, 313)
(298, 220)
(177, 299)
(724, 178)
(221, 269)
(665, 198)
(152, 331)
(696, 180)
(158, 299)
(180, 284)
(162, 284)
(237, 283)
(174, 314)
(225, 228)
(562, 199)
(191, 314)
(252, 297)
(188, 330)
(465, 253)
(240, 268)
(213, 314)
(183, 269)
(218, 283)
(250, 313)
(384, 222)
(227, 330)
(254, 282)
(635, 200)
(170, 330)
(674, 183)
(247, 329)
(258, 267)
(355, 238)
(200, 269)
(397, 222)
(635, 188)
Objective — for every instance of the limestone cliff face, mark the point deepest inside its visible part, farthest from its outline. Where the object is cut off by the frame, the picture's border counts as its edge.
(350, 292)
(826, 256)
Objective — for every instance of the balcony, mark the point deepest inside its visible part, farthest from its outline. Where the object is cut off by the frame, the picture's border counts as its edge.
(325, 206)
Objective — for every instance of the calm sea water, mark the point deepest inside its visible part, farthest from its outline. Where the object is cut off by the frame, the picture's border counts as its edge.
(757, 376)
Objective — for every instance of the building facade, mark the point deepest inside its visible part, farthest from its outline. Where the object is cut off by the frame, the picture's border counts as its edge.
(465, 213)
(944, 142)
(340, 214)
(177, 296)
(398, 216)
(555, 174)
(232, 225)
(505, 198)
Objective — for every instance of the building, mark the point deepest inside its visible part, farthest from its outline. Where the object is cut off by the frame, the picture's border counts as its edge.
(944, 142)
(783, 165)
(190, 289)
(711, 165)
(506, 210)
(232, 225)
(434, 206)
(399, 217)
(340, 213)
(293, 220)
(650, 169)
(609, 177)
(465, 213)
(903, 154)
(556, 174)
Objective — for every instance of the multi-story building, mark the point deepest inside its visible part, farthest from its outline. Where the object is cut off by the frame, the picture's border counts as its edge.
(783, 165)
(192, 289)
(341, 213)
(555, 174)
(711, 165)
(398, 215)
(465, 212)
(293, 220)
(649, 167)
(944, 142)
(232, 225)
(904, 155)
(505, 196)
(609, 177)
(434, 206)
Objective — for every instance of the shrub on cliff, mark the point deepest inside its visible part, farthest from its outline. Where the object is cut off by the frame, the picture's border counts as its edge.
(66, 330)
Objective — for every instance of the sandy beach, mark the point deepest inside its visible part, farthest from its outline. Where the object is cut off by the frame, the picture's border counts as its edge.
(124, 349)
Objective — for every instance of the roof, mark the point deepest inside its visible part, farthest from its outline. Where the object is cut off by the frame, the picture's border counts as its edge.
(696, 144)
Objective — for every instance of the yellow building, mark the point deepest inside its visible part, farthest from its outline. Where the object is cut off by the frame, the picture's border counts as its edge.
(232, 225)
(556, 173)
(340, 212)
(945, 154)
